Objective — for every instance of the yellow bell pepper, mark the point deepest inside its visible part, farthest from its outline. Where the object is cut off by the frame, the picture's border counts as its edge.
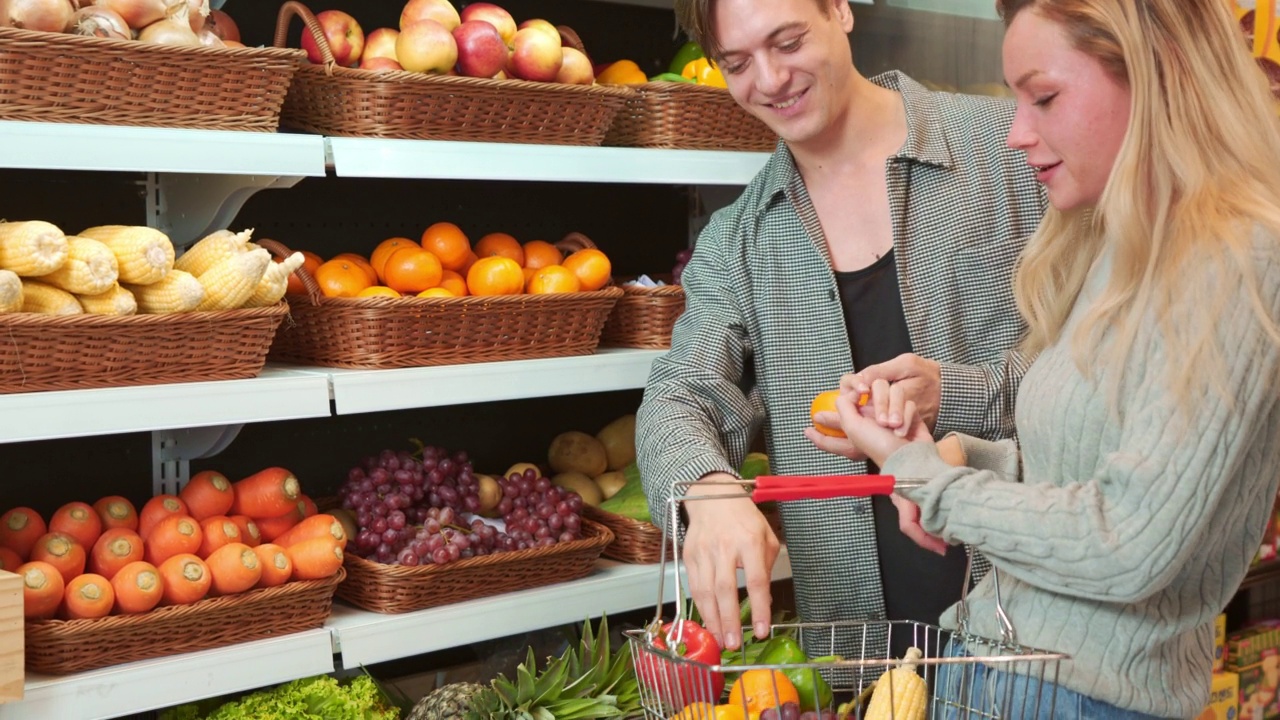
(704, 72)
(622, 72)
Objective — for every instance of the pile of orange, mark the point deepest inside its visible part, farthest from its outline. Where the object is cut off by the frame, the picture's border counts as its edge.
(444, 263)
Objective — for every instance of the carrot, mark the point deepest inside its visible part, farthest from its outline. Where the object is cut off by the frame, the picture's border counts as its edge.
(79, 520)
(249, 533)
(266, 494)
(218, 530)
(308, 506)
(319, 557)
(276, 566)
(314, 526)
(207, 494)
(88, 596)
(9, 559)
(42, 587)
(174, 535)
(19, 530)
(185, 578)
(138, 588)
(115, 548)
(273, 527)
(235, 568)
(117, 512)
(61, 551)
(157, 509)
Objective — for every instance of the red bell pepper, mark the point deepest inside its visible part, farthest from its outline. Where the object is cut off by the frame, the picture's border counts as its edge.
(680, 684)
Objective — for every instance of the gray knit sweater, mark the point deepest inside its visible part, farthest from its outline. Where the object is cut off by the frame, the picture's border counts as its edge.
(1126, 536)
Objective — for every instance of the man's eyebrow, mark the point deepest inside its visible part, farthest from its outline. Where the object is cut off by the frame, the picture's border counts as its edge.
(787, 27)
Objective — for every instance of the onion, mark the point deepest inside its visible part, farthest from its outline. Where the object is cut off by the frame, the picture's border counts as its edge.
(99, 22)
(208, 39)
(197, 11)
(46, 15)
(141, 13)
(222, 25)
(173, 30)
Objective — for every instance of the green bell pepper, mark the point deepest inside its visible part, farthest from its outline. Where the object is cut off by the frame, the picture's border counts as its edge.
(688, 52)
(670, 77)
(814, 692)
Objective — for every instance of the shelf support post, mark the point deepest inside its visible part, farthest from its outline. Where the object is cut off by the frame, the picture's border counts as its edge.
(173, 450)
(188, 206)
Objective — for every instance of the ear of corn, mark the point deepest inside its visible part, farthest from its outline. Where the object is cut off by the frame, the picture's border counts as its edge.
(116, 301)
(212, 249)
(38, 297)
(144, 254)
(275, 280)
(10, 291)
(900, 693)
(32, 248)
(90, 268)
(178, 292)
(230, 283)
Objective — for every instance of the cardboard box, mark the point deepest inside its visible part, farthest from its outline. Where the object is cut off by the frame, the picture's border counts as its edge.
(1249, 646)
(1224, 698)
(11, 640)
(1260, 690)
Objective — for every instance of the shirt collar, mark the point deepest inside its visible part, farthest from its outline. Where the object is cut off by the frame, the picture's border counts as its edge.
(926, 140)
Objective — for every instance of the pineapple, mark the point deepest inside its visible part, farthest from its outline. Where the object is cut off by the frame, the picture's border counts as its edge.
(449, 702)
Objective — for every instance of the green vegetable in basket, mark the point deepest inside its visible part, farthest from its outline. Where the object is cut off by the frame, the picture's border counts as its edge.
(630, 501)
(814, 692)
(316, 698)
(671, 77)
(687, 53)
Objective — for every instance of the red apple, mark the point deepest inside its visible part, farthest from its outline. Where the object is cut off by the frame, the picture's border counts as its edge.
(346, 39)
(575, 68)
(536, 55)
(481, 51)
(380, 43)
(543, 25)
(379, 63)
(442, 11)
(426, 46)
(495, 16)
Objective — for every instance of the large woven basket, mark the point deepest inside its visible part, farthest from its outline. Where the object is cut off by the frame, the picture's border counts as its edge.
(334, 100)
(56, 77)
(399, 589)
(69, 646)
(688, 116)
(634, 541)
(76, 352)
(644, 317)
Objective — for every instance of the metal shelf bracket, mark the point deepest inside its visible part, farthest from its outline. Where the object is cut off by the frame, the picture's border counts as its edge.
(173, 450)
(188, 206)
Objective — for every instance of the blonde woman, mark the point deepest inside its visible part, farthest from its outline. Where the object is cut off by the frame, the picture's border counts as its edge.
(1150, 421)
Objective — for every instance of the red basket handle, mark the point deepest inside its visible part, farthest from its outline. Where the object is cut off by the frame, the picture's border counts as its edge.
(823, 487)
(292, 8)
(280, 250)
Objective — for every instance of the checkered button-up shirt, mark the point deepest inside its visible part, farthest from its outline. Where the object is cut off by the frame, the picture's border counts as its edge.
(764, 331)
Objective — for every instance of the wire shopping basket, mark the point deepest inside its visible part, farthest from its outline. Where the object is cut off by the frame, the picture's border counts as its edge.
(948, 674)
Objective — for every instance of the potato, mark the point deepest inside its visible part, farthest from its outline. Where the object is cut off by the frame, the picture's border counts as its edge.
(619, 439)
(581, 484)
(575, 451)
(610, 483)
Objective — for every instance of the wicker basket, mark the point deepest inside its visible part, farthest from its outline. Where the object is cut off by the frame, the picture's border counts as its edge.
(643, 317)
(348, 102)
(640, 542)
(76, 352)
(683, 115)
(69, 646)
(56, 77)
(398, 589)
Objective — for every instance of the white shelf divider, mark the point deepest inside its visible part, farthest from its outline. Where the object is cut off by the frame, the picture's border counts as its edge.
(364, 637)
(150, 684)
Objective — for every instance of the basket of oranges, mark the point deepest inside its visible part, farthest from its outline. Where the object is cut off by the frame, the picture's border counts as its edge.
(443, 301)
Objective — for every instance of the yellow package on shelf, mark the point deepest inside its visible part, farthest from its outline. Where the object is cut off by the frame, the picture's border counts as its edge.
(11, 640)
(1224, 698)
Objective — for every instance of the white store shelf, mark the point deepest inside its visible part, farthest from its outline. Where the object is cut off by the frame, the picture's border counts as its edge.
(276, 394)
(364, 637)
(149, 684)
(66, 146)
(361, 391)
(437, 159)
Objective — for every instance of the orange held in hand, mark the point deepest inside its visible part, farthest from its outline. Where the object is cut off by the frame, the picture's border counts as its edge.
(826, 402)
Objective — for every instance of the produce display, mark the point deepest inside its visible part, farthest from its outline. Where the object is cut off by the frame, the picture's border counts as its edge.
(688, 65)
(315, 698)
(188, 23)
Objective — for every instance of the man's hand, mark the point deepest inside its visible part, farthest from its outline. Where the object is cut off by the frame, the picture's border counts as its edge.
(725, 534)
(894, 382)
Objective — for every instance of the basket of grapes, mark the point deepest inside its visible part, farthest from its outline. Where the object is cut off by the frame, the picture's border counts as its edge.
(425, 538)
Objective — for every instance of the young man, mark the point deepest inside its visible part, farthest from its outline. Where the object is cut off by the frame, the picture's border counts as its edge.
(883, 230)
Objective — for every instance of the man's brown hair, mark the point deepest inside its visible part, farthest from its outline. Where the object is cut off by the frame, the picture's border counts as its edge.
(695, 17)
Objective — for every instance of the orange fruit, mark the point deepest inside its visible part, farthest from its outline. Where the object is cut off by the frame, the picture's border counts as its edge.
(453, 282)
(591, 266)
(495, 275)
(756, 688)
(707, 711)
(826, 402)
(448, 243)
(540, 253)
(500, 244)
(310, 262)
(437, 292)
(553, 279)
(361, 262)
(466, 266)
(412, 270)
(378, 291)
(341, 278)
(378, 258)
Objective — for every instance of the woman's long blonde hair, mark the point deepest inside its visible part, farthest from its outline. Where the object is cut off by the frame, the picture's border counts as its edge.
(1198, 173)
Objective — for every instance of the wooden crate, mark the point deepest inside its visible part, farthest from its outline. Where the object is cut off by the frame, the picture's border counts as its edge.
(11, 648)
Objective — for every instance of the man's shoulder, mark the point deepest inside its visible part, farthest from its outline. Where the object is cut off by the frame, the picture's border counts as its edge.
(769, 180)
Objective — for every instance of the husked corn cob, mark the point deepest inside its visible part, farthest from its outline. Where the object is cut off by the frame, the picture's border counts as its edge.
(230, 283)
(116, 301)
(274, 281)
(900, 693)
(32, 248)
(178, 292)
(10, 291)
(212, 249)
(90, 269)
(38, 297)
(144, 254)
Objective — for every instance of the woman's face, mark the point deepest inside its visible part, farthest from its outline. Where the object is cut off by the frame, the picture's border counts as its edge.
(1072, 115)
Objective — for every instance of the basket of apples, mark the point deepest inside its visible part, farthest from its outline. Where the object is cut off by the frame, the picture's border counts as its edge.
(445, 75)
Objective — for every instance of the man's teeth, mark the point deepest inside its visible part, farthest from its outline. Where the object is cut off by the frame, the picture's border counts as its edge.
(787, 104)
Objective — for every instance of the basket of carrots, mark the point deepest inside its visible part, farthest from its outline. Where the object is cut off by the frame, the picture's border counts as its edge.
(217, 564)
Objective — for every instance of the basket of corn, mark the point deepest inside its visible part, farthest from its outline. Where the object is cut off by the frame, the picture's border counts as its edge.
(112, 306)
